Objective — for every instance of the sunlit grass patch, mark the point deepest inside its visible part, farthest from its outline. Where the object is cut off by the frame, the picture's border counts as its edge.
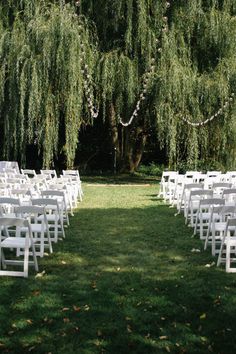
(123, 281)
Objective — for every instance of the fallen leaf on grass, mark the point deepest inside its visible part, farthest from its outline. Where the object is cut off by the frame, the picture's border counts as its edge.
(29, 321)
(76, 308)
(195, 250)
(163, 337)
(30, 349)
(209, 265)
(217, 301)
(86, 308)
(129, 330)
(36, 293)
(93, 284)
(63, 262)
(65, 309)
(40, 275)
(66, 320)
(203, 316)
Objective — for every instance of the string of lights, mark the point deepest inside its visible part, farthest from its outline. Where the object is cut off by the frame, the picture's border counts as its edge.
(213, 116)
(87, 82)
(149, 74)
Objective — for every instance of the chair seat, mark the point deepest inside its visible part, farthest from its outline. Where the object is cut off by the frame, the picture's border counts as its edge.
(14, 242)
(50, 217)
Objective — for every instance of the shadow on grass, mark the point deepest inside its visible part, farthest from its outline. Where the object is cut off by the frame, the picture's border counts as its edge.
(120, 179)
(124, 281)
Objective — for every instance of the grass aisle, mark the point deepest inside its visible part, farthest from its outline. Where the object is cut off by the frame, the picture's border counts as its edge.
(123, 281)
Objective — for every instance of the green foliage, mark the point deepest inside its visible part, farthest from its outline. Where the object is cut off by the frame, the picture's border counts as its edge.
(41, 89)
(151, 170)
(197, 73)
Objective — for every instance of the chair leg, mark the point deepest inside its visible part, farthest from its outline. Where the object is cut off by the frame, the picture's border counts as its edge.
(2, 260)
(26, 259)
(228, 258)
(34, 258)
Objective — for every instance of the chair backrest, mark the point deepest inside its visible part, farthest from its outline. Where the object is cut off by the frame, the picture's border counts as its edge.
(29, 209)
(72, 173)
(47, 202)
(201, 193)
(213, 173)
(9, 200)
(193, 186)
(212, 202)
(216, 185)
(53, 193)
(50, 173)
(7, 205)
(224, 209)
(28, 172)
(21, 192)
(31, 212)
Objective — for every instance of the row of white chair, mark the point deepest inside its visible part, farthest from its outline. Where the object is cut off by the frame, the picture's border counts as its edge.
(172, 182)
(31, 219)
(212, 214)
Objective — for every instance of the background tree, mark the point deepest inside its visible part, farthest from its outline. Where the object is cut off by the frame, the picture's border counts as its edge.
(45, 45)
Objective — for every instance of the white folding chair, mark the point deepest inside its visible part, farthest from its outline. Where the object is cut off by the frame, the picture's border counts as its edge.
(49, 174)
(217, 226)
(75, 178)
(23, 194)
(22, 239)
(60, 196)
(164, 183)
(36, 215)
(7, 205)
(193, 204)
(219, 187)
(227, 252)
(184, 201)
(230, 196)
(204, 215)
(4, 189)
(54, 217)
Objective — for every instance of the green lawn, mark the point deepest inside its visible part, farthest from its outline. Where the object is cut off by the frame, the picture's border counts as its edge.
(123, 281)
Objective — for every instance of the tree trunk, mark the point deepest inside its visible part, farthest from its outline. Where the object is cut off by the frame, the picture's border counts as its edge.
(134, 144)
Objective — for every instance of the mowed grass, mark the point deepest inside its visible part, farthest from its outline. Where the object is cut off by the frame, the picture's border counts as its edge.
(123, 281)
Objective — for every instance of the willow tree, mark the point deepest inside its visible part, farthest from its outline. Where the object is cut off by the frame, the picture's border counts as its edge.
(195, 73)
(50, 49)
(41, 78)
